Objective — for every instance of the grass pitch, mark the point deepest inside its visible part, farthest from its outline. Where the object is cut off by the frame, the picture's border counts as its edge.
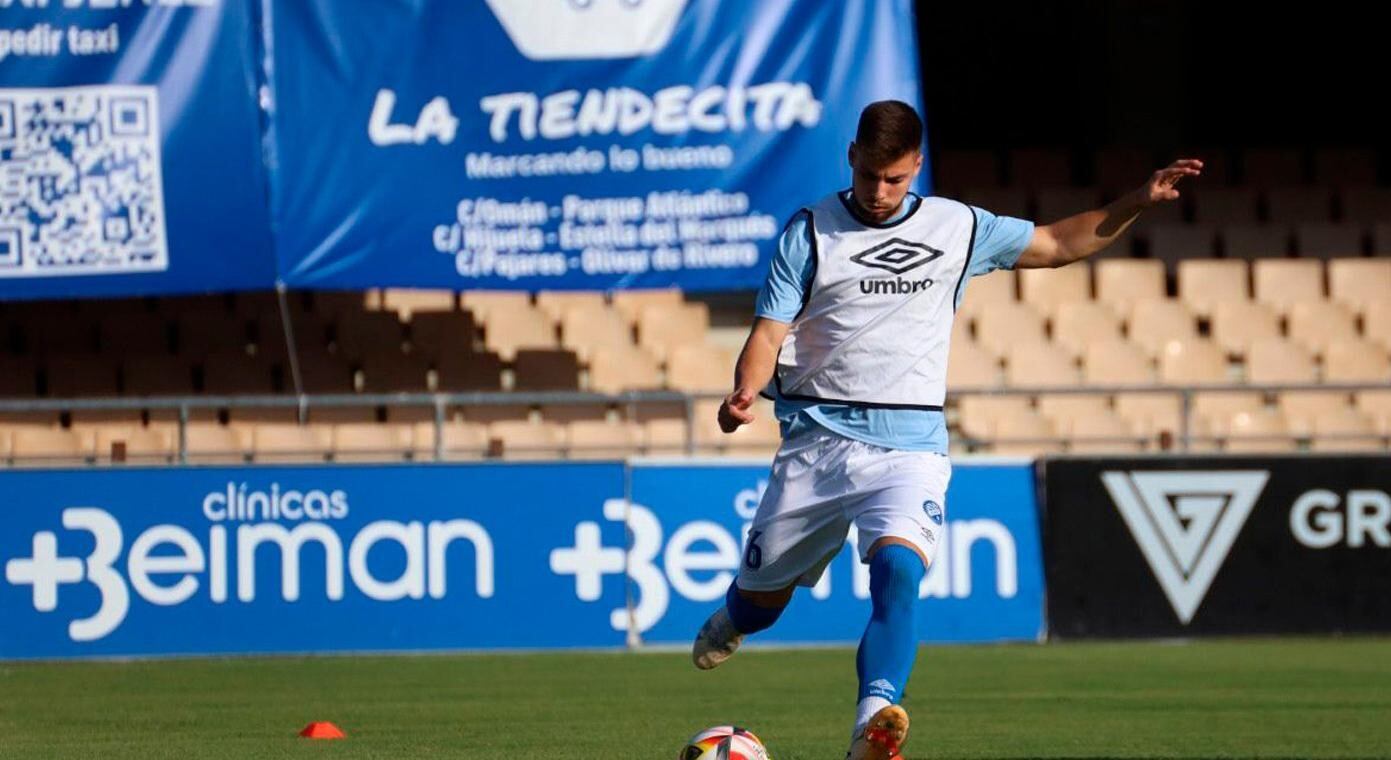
(1306, 698)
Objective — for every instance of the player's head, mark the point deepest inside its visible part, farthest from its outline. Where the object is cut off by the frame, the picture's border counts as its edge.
(886, 156)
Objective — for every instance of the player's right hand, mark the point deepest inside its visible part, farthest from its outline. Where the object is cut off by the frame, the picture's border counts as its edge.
(734, 411)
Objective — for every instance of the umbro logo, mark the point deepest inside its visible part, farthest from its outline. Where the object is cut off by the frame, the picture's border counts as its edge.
(897, 255)
(1185, 524)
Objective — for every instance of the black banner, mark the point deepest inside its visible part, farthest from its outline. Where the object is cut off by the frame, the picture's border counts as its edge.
(1190, 546)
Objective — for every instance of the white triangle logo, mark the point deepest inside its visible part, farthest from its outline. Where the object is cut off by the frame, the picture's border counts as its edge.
(1185, 523)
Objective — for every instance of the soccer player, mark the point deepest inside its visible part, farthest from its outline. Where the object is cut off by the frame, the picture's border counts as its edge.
(850, 339)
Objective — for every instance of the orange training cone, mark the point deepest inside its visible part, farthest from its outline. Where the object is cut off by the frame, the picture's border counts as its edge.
(322, 729)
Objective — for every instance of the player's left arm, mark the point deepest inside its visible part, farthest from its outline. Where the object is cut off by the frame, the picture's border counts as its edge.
(1077, 237)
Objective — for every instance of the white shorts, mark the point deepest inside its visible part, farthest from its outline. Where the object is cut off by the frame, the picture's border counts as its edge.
(821, 483)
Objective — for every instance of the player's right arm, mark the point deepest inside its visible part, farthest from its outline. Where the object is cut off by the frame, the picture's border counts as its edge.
(752, 372)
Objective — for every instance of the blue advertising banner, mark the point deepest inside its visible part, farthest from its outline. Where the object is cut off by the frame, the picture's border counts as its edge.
(130, 149)
(313, 559)
(689, 523)
(556, 144)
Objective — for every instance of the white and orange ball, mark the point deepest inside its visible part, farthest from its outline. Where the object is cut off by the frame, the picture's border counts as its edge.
(724, 743)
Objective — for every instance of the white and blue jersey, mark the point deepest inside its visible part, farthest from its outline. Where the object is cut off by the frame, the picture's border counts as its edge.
(998, 243)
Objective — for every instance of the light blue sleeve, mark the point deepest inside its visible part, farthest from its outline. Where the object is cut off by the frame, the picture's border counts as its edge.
(782, 294)
(1000, 241)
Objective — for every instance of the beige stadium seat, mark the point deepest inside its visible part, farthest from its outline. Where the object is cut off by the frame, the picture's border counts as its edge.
(5, 442)
(1077, 326)
(508, 329)
(664, 437)
(211, 443)
(1346, 429)
(1176, 243)
(490, 413)
(1317, 324)
(1204, 283)
(158, 375)
(1276, 361)
(322, 372)
(547, 371)
(137, 445)
(970, 366)
(311, 333)
(1256, 432)
(467, 372)
(1149, 414)
(1282, 283)
(334, 414)
(663, 327)
(461, 440)
(984, 293)
(1300, 204)
(1356, 283)
(407, 301)
(371, 442)
(288, 442)
(1116, 362)
(77, 375)
(19, 377)
(250, 416)
(394, 372)
(1366, 205)
(1046, 289)
(140, 333)
(1006, 325)
(758, 438)
(1061, 201)
(1376, 323)
(1225, 205)
(630, 303)
(483, 303)
(434, 334)
(556, 303)
(700, 369)
(1356, 361)
(1122, 282)
(1103, 432)
(585, 329)
(528, 440)
(360, 333)
(594, 439)
(331, 303)
(1377, 405)
(49, 446)
(614, 370)
(1119, 168)
(104, 416)
(58, 333)
(1327, 241)
(229, 373)
(1302, 408)
(1153, 325)
(980, 413)
(1255, 241)
(1193, 361)
(1026, 434)
(1216, 407)
(1063, 409)
(1039, 365)
(1238, 324)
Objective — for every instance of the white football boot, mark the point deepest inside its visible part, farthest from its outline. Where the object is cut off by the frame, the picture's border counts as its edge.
(882, 738)
(716, 641)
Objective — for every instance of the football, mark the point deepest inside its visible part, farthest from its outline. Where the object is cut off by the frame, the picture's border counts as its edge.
(724, 743)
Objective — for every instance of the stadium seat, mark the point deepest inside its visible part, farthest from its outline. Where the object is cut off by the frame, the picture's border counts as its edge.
(1302, 408)
(1255, 241)
(1255, 432)
(1376, 322)
(661, 328)
(1238, 324)
(388, 371)
(614, 370)
(664, 437)
(332, 414)
(406, 302)
(1328, 240)
(1271, 167)
(1377, 405)
(1176, 243)
(1204, 283)
(594, 439)
(1063, 409)
(200, 333)
(983, 293)
(1276, 361)
(288, 442)
(53, 333)
(1122, 282)
(322, 372)
(434, 334)
(1165, 214)
(506, 330)
(1219, 170)
(1345, 429)
(142, 445)
(1061, 201)
(578, 412)
(758, 438)
(311, 333)
(979, 414)
(1215, 408)
(48, 446)
(630, 303)
(970, 366)
(250, 416)
(1046, 289)
(371, 442)
(1027, 434)
(483, 303)
(1039, 167)
(140, 333)
(1357, 283)
(1225, 205)
(1101, 432)
(1116, 362)
(233, 372)
(1005, 325)
(74, 375)
(465, 372)
(585, 329)
(1154, 324)
(1039, 365)
(1366, 205)
(1118, 169)
(1001, 201)
(330, 304)
(246, 304)
(1356, 361)
(1345, 166)
(357, 334)
(555, 303)
(546, 370)
(1193, 361)
(1282, 284)
(1381, 239)
(522, 439)
(461, 440)
(966, 168)
(489, 413)
(211, 443)
(700, 369)
(1294, 205)
(19, 377)
(1151, 414)
(1316, 324)
(159, 375)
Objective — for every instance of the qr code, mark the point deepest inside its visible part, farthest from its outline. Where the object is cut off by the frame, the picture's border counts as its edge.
(80, 186)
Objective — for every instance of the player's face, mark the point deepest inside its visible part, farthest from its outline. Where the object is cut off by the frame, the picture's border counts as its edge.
(880, 188)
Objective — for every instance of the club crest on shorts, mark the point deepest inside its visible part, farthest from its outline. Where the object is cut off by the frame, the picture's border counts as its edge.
(933, 510)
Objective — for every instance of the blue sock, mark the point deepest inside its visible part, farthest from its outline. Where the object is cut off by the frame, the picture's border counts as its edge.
(890, 643)
(747, 616)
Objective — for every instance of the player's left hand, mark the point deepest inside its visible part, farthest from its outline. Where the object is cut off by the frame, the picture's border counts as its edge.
(1161, 186)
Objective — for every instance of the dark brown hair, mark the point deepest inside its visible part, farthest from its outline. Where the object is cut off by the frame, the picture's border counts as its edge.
(888, 130)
